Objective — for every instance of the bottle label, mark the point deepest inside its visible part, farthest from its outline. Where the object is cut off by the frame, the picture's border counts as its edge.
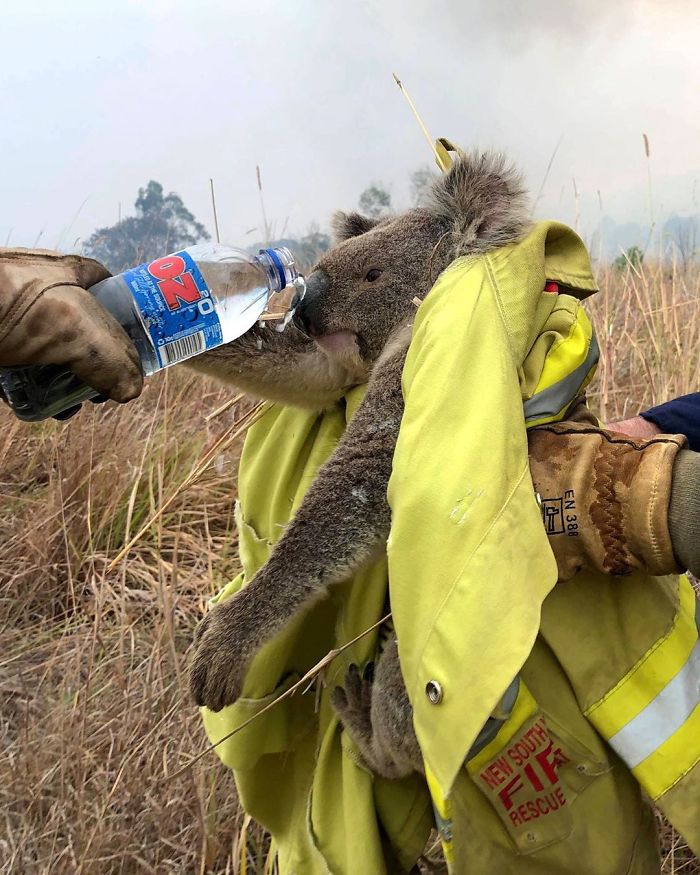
(176, 306)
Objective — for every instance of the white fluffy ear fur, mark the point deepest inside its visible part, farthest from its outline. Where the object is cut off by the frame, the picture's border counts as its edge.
(482, 202)
(346, 225)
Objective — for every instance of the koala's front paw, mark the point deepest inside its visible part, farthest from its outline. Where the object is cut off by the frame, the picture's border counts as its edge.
(353, 703)
(221, 656)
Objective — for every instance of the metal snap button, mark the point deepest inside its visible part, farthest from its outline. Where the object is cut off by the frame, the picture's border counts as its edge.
(433, 691)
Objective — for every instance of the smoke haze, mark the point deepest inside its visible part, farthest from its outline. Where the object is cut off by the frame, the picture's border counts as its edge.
(98, 98)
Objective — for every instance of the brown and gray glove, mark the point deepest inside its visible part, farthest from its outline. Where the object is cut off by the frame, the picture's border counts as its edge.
(612, 503)
(48, 317)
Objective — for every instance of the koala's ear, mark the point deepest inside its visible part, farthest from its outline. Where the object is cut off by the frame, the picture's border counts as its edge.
(346, 225)
(482, 202)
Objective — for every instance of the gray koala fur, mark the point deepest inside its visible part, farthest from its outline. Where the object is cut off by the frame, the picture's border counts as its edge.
(357, 316)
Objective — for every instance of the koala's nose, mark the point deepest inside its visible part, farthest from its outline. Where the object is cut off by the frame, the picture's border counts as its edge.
(308, 313)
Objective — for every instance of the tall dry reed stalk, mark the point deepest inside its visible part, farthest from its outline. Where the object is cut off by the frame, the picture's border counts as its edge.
(95, 711)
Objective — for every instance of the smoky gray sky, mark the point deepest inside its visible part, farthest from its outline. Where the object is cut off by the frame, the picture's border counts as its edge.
(99, 96)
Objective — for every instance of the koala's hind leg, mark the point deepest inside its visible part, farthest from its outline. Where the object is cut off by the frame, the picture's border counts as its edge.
(378, 716)
(343, 519)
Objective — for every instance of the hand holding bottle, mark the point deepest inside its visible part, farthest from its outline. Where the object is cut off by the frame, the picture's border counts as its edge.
(61, 345)
(48, 318)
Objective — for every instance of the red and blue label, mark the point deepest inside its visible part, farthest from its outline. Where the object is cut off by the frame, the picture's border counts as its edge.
(176, 306)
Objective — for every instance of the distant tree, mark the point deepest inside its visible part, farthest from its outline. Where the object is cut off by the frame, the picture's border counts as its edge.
(633, 257)
(684, 234)
(421, 181)
(162, 224)
(311, 246)
(375, 201)
(306, 250)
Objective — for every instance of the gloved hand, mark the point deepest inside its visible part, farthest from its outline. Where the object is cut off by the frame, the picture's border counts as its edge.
(48, 317)
(607, 499)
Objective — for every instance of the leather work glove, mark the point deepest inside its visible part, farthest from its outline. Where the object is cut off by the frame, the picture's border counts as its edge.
(48, 318)
(606, 498)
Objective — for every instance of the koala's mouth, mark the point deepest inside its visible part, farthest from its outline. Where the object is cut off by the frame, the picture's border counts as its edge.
(343, 343)
(339, 344)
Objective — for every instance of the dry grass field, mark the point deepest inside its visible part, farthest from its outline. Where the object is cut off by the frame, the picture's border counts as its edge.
(95, 714)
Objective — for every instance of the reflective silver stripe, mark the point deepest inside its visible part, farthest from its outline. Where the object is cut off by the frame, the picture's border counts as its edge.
(663, 716)
(492, 726)
(444, 826)
(555, 398)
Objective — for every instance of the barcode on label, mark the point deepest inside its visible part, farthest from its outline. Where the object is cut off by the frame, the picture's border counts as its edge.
(177, 350)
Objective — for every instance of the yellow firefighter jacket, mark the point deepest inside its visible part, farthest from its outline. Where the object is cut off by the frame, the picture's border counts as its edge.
(470, 570)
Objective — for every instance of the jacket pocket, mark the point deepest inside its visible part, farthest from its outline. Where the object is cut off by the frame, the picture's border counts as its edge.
(531, 773)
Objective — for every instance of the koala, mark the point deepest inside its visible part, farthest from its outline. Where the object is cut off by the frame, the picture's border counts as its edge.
(354, 326)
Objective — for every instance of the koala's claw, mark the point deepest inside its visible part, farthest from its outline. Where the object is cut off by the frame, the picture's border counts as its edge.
(353, 702)
(339, 700)
(218, 667)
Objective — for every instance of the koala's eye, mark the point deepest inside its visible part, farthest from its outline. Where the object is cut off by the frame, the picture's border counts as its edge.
(373, 275)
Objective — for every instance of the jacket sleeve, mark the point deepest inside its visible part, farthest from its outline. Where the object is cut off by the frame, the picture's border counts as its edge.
(678, 416)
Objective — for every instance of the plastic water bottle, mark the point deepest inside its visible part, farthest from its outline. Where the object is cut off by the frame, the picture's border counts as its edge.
(174, 308)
